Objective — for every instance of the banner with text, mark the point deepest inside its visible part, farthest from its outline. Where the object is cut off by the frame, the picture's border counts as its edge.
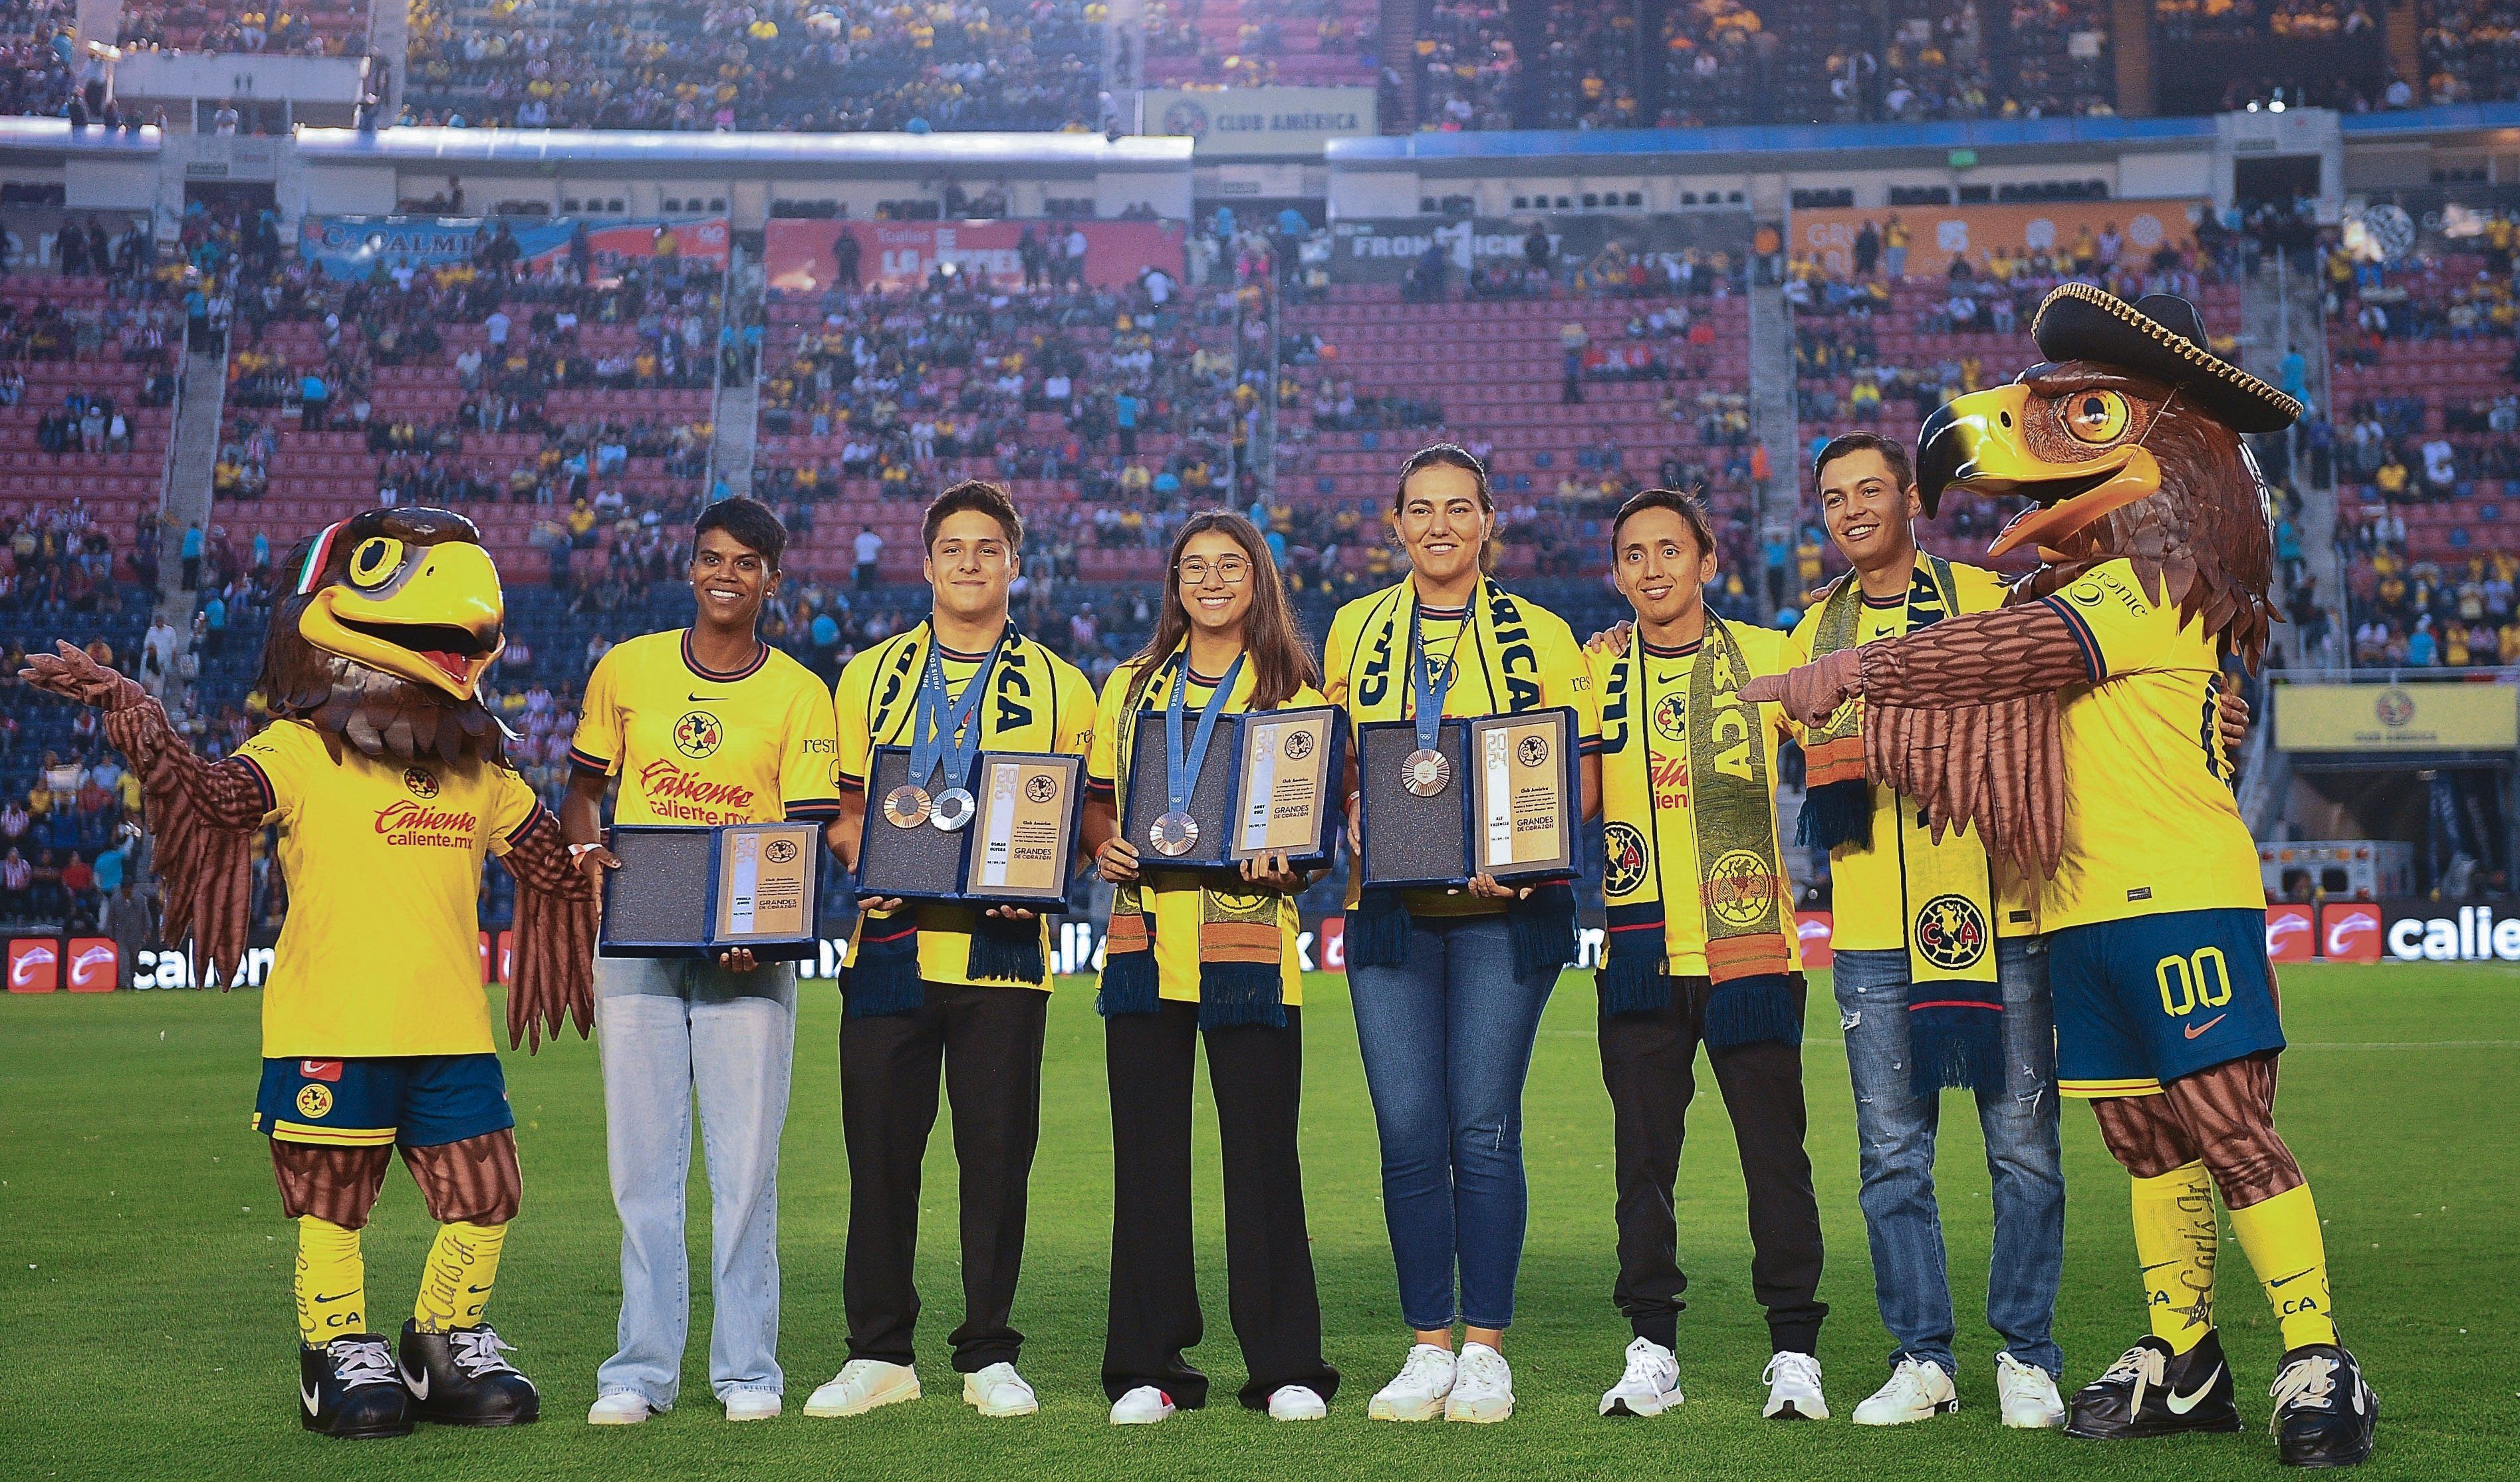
(1253, 122)
(1937, 234)
(802, 256)
(1386, 251)
(350, 248)
(2446, 716)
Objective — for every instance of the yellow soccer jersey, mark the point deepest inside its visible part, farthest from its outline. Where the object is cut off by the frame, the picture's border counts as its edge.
(1176, 894)
(1864, 898)
(1365, 668)
(1038, 702)
(379, 954)
(1649, 839)
(2150, 823)
(694, 746)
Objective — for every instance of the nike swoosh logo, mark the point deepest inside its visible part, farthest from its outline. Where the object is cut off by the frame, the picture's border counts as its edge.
(2193, 1030)
(344, 1297)
(2179, 1406)
(308, 1395)
(417, 1383)
(2295, 1277)
(704, 698)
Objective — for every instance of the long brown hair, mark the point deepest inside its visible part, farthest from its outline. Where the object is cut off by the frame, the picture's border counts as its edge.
(1447, 455)
(1282, 663)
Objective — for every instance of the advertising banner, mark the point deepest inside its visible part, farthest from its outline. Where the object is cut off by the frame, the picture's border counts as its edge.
(1255, 122)
(2292, 935)
(1937, 234)
(2448, 716)
(1816, 928)
(2350, 931)
(350, 248)
(802, 256)
(1384, 250)
(34, 964)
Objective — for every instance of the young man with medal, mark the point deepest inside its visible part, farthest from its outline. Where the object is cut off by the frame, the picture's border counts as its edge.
(1447, 986)
(703, 725)
(1941, 982)
(942, 988)
(1703, 948)
(1191, 957)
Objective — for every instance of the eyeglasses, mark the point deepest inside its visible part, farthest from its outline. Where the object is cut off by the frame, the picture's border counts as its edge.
(1233, 570)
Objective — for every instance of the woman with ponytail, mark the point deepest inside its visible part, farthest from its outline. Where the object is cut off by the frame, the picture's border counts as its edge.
(1448, 985)
(1187, 958)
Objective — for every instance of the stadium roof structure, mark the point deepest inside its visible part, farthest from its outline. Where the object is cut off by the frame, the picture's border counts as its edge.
(26, 136)
(855, 153)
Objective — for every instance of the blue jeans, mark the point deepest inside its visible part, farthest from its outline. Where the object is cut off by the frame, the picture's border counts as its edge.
(1447, 1043)
(1894, 1129)
(667, 1028)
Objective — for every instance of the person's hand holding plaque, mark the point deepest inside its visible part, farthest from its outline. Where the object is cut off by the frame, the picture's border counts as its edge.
(1271, 872)
(1117, 861)
(736, 959)
(593, 860)
(1485, 887)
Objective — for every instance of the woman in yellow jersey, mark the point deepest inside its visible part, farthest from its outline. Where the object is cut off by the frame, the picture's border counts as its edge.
(1449, 986)
(703, 725)
(1188, 959)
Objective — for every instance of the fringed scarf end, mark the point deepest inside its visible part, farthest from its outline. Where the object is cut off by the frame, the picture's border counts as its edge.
(1377, 930)
(1748, 1011)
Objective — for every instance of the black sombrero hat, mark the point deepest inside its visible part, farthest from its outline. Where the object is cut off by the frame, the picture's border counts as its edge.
(2160, 335)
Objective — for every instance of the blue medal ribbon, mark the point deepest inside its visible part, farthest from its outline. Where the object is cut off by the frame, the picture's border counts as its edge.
(1428, 683)
(930, 713)
(1181, 768)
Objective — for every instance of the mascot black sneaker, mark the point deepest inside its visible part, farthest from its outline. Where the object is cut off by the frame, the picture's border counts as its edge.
(2151, 1391)
(2324, 1412)
(347, 1389)
(459, 1378)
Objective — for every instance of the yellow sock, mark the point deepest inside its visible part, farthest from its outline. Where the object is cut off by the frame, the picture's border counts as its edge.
(2175, 1239)
(332, 1283)
(455, 1284)
(2281, 1240)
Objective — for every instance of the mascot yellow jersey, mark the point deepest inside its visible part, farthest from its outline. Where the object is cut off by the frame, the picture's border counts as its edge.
(379, 954)
(2152, 712)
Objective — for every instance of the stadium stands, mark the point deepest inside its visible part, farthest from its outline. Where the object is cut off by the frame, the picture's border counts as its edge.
(327, 28)
(1220, 43)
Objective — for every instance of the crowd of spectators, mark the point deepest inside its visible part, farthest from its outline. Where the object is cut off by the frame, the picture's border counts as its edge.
(36, 56)
(1218, 43)
(1470, 71)
(339, 27)
(831, 66)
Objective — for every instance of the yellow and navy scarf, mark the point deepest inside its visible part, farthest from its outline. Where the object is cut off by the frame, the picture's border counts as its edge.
(1239, 938)
(1741, 891)
(1947, 884)
(1496, 650)
(1013, 716)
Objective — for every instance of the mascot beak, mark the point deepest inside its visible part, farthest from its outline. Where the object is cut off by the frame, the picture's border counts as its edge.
(437, 620)
(1977, 442)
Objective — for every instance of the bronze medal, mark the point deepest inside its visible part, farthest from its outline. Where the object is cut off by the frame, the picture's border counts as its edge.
(1425, 772)
(906, 807)
(1173, 834)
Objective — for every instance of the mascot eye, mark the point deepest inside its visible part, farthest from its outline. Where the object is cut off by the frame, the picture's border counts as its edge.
(374, 561)
(2095, 417)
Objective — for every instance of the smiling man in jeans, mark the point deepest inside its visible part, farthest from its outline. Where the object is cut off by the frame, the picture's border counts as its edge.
(1941, 982)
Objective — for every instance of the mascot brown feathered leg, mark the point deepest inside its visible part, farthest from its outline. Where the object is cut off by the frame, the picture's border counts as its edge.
(385, 776)
(2078, 729)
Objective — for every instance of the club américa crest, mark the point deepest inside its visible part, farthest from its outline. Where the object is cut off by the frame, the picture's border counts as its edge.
(1951, 932)
(1623, 868)
(418, 782)
(1741, 890)
(698, 735)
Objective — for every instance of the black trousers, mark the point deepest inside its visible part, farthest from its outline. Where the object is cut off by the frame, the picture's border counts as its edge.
(987, 1042)
(1649, 1062)
(1257, 1073)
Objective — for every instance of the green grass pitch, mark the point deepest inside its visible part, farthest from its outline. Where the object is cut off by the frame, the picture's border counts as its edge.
(146, 1327)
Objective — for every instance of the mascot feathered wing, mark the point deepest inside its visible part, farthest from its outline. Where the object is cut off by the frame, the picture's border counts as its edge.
(381, 646)
(378, 740)
(2076, 728)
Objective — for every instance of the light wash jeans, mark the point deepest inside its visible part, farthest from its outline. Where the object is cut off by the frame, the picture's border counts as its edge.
(666, 1029)
(1895, 1128)
(1447, 1044)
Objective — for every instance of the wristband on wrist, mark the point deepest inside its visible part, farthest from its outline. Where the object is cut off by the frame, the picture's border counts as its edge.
(575, 851)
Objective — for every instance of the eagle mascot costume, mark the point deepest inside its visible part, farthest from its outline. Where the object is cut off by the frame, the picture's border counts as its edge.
(2075, 729)
(388, 778)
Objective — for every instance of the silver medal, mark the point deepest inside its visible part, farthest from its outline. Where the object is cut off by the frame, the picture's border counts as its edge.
(953, 808)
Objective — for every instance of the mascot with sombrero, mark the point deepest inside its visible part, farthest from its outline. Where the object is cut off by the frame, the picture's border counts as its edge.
(386, 778)
(2075, 729)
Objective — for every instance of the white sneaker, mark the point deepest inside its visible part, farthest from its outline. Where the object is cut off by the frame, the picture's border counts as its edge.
(1419, 1391)
(1144, 1405)
(1482, 1387)
(1650, 1385)
(1794, 1388)
(619, 1407)
(2027, 1394)
(752, 1405)
(861, 1385)
(999, 1391)
(1295, 1401)
(1917, 1391)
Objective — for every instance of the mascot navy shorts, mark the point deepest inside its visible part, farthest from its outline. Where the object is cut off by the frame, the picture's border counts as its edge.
(418, 1100)
(2153, 998)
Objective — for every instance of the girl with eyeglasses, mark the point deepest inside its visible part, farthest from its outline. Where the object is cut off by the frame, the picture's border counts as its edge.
(1188, 956)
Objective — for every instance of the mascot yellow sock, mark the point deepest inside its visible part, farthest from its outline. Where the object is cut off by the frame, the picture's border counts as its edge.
(455, 1284)
(332, 1283)
(2175, 1239)
(2281, 1240)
